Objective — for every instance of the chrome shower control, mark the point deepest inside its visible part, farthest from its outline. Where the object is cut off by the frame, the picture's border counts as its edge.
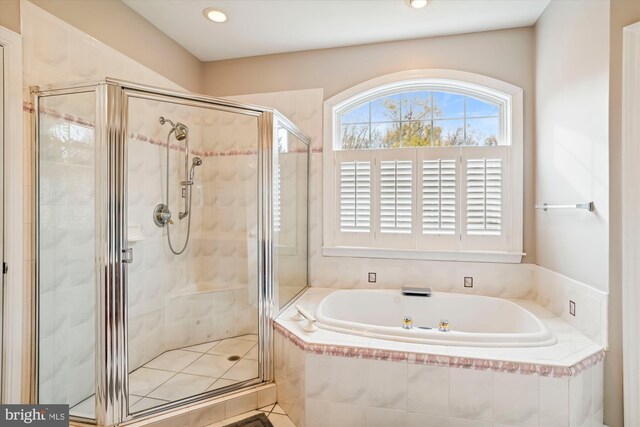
(162, 215)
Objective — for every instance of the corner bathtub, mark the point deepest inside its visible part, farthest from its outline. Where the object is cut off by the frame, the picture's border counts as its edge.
(474, 321)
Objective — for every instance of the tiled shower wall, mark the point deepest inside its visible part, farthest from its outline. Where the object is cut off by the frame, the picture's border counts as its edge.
(210, 291)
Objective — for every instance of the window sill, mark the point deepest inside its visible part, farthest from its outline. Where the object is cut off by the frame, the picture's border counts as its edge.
(466, 256)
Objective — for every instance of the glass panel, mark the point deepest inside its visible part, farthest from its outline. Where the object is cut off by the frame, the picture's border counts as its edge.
(482, 132)
(416, 134)
(420, 119)
(290, 225)
(416, 106)
(385, 135)
(448, 105)
(448, 133)
(193, 286)
(67, 271)
(386, 109)
(354, 137)
(477, 108)
(357, 115)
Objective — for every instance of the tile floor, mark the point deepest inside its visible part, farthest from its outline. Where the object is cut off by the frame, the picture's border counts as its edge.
(187, 371)
(275, 413)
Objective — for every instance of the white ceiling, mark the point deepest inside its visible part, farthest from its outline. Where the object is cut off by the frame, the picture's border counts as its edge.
(261, 27)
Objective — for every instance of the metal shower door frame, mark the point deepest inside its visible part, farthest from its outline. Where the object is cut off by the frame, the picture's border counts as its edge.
(112, 401)
(111, 223)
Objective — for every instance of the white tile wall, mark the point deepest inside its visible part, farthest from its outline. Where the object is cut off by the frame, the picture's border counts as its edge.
(289, 373)
(470, 394)
(554, 291)
(208, 293)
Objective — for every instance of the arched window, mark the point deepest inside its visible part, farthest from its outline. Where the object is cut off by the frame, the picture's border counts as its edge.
(425, 164)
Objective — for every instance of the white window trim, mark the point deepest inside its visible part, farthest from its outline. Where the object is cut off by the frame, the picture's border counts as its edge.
(510, 99)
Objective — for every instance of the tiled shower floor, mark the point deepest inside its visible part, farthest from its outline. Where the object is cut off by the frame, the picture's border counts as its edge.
(187, 371)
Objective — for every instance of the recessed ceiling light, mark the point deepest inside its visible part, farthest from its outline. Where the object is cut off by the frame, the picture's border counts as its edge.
(418, 4)
(215, 15)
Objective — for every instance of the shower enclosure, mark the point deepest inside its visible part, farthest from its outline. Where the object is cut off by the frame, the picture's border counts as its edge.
(170, 229)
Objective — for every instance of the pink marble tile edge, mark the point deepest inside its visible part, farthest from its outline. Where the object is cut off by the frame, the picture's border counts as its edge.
(442, 360)
(28, 107)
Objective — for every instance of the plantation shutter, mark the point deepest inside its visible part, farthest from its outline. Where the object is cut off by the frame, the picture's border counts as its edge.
(427, 198)
(396, 194)
(437, 196)
(394, 198)
(485, 194)
(354, 172)
(355, 196)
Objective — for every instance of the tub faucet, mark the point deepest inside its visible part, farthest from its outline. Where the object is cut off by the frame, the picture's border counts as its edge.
(407, 322)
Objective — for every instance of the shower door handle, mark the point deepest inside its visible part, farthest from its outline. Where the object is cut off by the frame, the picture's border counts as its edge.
(127, 256)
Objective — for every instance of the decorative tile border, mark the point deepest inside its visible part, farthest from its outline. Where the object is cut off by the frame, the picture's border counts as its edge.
(442, 360)
(28, 107)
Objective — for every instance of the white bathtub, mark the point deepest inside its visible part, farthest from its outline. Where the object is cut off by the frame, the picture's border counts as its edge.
(476, 321)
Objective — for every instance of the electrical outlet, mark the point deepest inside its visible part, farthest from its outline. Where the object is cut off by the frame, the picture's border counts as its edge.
(468, 282)
(372, 277)
(572, 308)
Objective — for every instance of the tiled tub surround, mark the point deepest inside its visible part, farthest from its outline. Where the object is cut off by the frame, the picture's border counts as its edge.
(327, 378)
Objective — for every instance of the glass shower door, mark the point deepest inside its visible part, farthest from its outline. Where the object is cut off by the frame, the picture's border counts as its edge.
(192, 213)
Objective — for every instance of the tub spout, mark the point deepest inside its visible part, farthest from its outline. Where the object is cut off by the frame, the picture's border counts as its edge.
(413, 291)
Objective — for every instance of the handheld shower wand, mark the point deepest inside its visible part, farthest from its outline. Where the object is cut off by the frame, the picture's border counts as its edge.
(187, 186)
(162, 214)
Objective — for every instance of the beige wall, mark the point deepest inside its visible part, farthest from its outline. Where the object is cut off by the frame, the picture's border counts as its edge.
(506, 55)
(575, 159)
(115, 24)
(623, 13)
(572, 90)
(10, 14)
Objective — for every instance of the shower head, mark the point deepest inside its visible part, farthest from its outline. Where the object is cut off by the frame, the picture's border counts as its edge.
(180, 130)
(197, 161)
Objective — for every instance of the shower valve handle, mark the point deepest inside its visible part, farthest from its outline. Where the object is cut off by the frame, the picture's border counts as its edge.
(162, 215)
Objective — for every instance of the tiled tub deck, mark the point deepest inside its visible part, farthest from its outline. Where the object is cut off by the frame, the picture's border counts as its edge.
(327, 378)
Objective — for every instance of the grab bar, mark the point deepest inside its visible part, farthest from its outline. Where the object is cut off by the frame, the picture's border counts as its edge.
(311, 321)
(589, 206)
